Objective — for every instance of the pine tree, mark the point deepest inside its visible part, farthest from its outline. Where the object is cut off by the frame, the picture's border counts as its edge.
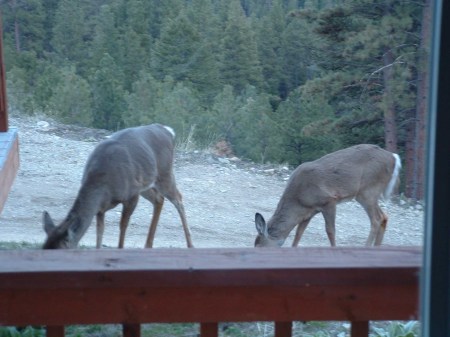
(269, 33)
(223, 113)
(69, 32)
(306, 123)
(176, 49)
(71, 101)
(177, 108)
(254, 135)
(133, 42)
(142, 101)
(240, 63)
(108, 95)
(205, 74)
(23, 21)
(105, 36)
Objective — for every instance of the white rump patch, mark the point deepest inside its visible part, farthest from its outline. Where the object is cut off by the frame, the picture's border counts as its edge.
(395, 173)
(168, 128)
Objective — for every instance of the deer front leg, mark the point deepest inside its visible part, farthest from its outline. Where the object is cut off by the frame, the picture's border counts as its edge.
(100, 228)
(329, 215)
(127, 210)
(299, 232)
(157, 207)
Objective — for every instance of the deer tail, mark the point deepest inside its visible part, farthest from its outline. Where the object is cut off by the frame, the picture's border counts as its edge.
(168, 128)
(395, 173)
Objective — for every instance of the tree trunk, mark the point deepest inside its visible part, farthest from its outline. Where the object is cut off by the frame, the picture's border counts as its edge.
(415, 154)
(13, 5)
(410, 150)
(422, 100)
(390, 124)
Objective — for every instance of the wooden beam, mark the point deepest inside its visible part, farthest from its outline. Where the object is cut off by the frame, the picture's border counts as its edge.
(55, 331)
(283, 329)
(208, 285)
(9, 165)
(209, 330)
(3, 100)
(131, 330)
(359, 329)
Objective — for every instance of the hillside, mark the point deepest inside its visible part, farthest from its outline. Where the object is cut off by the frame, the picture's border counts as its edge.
(220, 196)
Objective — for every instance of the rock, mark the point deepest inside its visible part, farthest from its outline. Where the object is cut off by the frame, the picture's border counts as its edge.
(43, 125)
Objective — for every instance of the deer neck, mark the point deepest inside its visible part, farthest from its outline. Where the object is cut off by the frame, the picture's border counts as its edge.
(285, 218)
(85, 207)
(279, 227)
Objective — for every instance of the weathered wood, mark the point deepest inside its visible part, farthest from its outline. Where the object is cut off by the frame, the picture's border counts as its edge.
(359, 329)
(283, 329)
(131, 330)
(209, 330)
(3, 98)
(55, 331)
(208, 285)
(9, 163)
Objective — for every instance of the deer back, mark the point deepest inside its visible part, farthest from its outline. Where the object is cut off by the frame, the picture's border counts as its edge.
(360, 171)
(342, 175)
(131, 160)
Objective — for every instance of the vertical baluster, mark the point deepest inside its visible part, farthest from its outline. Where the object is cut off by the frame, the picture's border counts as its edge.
(131, 330)
(360, 329)
(283, 329)
(55, 331)
(209, 329)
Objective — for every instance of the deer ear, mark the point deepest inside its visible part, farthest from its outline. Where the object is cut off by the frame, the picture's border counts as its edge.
(49, 225)
(261, 225)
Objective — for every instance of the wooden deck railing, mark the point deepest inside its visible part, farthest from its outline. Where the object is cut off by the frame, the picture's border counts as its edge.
(131, 287)
(9, 162)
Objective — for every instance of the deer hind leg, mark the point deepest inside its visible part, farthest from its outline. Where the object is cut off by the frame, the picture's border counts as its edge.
(378, 221)
(128, 209)
(382, 229)
(100, 228)
(157, 199)
(169, 189)
(176, 199)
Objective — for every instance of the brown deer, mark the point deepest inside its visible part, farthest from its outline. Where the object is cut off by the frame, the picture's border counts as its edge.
(362, 172)
(132, 162)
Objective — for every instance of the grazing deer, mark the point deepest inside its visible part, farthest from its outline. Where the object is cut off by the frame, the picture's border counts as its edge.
(362, 172)
(132, 162)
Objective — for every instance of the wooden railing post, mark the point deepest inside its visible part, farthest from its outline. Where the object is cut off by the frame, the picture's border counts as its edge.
(360, 329)
(3, 103)
(131, 330)
(55, 331)
(283, 329)
(209, 329)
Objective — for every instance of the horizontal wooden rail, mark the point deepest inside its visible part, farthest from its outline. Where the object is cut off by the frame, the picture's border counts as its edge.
(58, 288)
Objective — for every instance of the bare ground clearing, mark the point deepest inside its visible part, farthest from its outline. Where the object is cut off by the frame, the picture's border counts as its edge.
(220, 196)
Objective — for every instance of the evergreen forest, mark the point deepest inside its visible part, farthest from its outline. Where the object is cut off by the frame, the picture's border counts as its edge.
(281, 81)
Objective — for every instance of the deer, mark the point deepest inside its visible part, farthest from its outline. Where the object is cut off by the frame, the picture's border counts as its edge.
(133, 162)
(362, 172)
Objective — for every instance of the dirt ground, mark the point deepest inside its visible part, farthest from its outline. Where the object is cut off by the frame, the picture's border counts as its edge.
(221, 197)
